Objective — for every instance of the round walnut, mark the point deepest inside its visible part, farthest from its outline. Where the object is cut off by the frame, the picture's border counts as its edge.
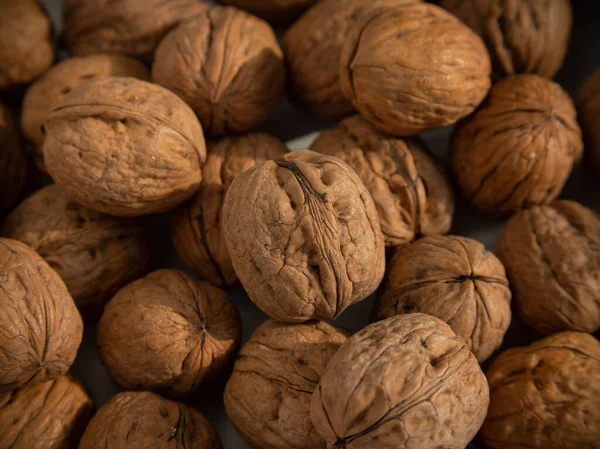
(304, 236)
(226, 64)
(589, 108)
(552, 257)
(274, 10)
(14, 166)
(54, 412)
(94, 254)
(124, 147)
(545, 395)
(197, 234)
(405, 382)
(41, 327)
(168, 333)
(409, 188)
(519, 148)
(268, 395)
(414, 68)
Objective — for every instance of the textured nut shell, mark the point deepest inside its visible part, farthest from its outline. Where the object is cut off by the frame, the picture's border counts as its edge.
(14, 166)
(268, 395)
(545, 395)
(552, 257)
(519, 148)
(41, 328)
(405, 382)
(124, 147)
(51, 415)
(308, 242)
(414, 68)
(168, 333)
(589, 107)
(197, 234)
(409, 188)
(276, 10)
(94, 254)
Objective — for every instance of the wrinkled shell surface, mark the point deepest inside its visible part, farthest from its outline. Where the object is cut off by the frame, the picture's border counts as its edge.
(589, 107)
(552, 257)
(414, 68)
(124, 147)
(277, 10)
(519, 148)
(14, 166)
(405, 382)
(308, 242)
(227, 65)
(197, 233)
(409, 188)
(545, 395)
(40, 327)
(268, 395)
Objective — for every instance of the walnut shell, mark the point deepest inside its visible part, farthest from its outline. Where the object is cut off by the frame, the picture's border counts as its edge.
(268, 395)
(409, 188)
(274, 10)
(519, 148)
(552, 257)
(14, 165)
(410, 69)
(52, 415)
(94, 254)
(545, 395)
(197, 234)
(41, 327)
(405, 382)
(227, 65)
(124, 147)
(304, 236)
(589, 107)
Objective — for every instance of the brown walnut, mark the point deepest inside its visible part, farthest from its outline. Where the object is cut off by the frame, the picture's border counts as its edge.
(274, 10)
(589, 108)
(519, 148)
(124, 147)
(197, 234)
(268, 395)
(402, 383)
(14, 166)
(304, 236)
(409, 188)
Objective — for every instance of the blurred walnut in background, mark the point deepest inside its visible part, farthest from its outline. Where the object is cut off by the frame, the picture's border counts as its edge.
(274, 10)
(14, 165)
(589, 114)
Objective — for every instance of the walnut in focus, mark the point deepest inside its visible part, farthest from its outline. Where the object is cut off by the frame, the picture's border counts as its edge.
(268, 395)
(14, 165)
(589, 113)
(409, 188)
(283, 11)
(405, 382)
(124, 147)
(304, 236)
(519, 148)
(227, 65)
(197, 234)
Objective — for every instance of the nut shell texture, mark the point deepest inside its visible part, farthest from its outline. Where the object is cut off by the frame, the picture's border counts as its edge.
(14, 166)
(589, 108)
(276, 10)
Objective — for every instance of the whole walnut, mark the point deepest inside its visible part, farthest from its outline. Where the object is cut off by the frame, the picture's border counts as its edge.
(414, 68)
(405, 382)
(545, 395)
(275, 10)
(304, 236)
(168, 333)
(41, 327)
(94, 254)
(124, 147)
(589, 113)
(456, 280)
(197, 234)
(227, 65)
(51, 415)
(14, 166)
(519, 148)
(552, 257)
(409, 188)
(140, 420)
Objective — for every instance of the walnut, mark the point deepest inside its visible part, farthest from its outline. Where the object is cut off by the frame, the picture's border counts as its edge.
(304, 236)
(405, 382)
(409, 188)
(41, 327)
(519, 148)
(226, 64)
(545, 395)
(94, 254)
(14, 165)
(274, 10)
(552, 257)
(268, 395)
(54, 412)
(197, 234)
(589, 107)
(414, 68)
(124, 147)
